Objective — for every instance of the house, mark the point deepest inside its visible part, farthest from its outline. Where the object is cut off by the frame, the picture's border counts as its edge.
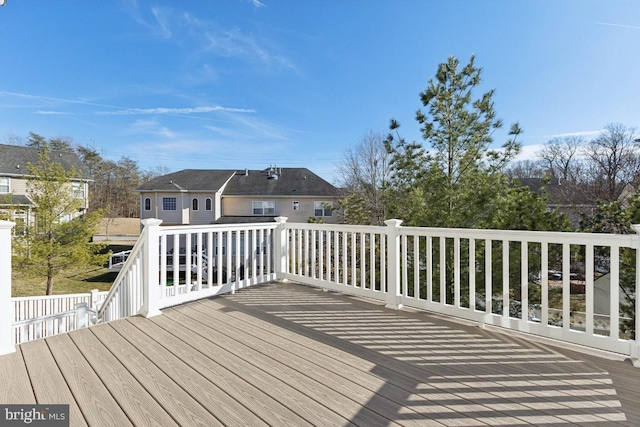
(197, 196)
(14, 174)
(563, 196)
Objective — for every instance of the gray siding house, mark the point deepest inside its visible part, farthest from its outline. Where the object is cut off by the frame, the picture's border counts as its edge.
(14, 174)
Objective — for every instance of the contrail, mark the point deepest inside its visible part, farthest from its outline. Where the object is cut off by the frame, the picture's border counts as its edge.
(135, 111)
(619, 25)
(69, 101)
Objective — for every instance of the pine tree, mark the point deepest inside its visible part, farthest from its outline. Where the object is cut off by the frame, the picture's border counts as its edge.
(456, 183)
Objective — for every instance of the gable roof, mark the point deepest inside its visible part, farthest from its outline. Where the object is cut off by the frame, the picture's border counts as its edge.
(289, 182)
(14, 159)
(189, 180)
(560, 193)
(280, 182)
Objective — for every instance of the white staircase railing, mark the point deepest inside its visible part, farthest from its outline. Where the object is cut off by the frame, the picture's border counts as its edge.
(174, 264)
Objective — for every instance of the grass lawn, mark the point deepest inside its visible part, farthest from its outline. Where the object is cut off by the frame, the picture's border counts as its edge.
(68, 282)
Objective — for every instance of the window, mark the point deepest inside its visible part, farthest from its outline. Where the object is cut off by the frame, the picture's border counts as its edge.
(194, 204)
(264, 208)
(78, 190)
(147, 204)
(4, 185)
(322, 209)
(296, 206)
(168, 203)
(207, 204)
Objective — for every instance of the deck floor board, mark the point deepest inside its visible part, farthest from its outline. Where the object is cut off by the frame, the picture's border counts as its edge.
(291, 355)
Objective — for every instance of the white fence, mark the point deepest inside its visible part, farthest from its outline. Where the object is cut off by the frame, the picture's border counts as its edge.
(37, 317)
(541, 283)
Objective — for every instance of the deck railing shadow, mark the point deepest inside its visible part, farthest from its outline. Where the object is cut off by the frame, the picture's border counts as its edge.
(418, 369)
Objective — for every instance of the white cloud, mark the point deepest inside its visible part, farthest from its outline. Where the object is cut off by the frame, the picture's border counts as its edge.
(189, 110)
(52, 113)
(528, 152)
(585, 133)
(162, 17)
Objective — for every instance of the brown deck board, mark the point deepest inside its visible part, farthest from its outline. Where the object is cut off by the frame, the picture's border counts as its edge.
(16, 384)
(93, 399)
(174, 399)
(290, 355)
(49, 385)
(268, 382)
(269, 409)
(305, 376)
(199, 387)
(132, 397)
(352, 383)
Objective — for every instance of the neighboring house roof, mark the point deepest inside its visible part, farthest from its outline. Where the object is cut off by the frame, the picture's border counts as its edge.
(189, 180)
(14, 159)
(296, 182)
(560, 193)
(17, 200)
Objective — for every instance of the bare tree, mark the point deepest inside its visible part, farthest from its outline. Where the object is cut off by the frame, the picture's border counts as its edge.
(560, 156)
(365, 172)
(614, 158)
(526, 169)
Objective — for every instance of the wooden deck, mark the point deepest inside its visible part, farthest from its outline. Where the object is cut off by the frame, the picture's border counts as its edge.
(289, 355)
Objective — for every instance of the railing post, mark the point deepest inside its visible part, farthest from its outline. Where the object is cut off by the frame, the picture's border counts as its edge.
(81, 315)
(6, 307)
(281, 255)
(393, 263)
(635, 346)
(94, 299)
(151, 268)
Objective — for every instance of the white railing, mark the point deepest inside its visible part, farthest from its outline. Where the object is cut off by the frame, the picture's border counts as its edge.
(117, 260)
(53, 324)
(518, 280)
(37, 317)
(25, 308)
(175, 264)
(444, 270)
(6, 338)
(125, 296)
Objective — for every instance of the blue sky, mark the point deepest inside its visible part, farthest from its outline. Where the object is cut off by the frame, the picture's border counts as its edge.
(249, 83)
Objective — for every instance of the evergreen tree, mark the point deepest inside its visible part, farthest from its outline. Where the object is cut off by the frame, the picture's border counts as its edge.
(59, 240)
(457, 183)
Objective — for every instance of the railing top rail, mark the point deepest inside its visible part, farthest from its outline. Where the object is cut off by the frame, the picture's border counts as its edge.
(335, 227)
(41, 319)
(54, 297)
(170, 229)
(596, 239)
